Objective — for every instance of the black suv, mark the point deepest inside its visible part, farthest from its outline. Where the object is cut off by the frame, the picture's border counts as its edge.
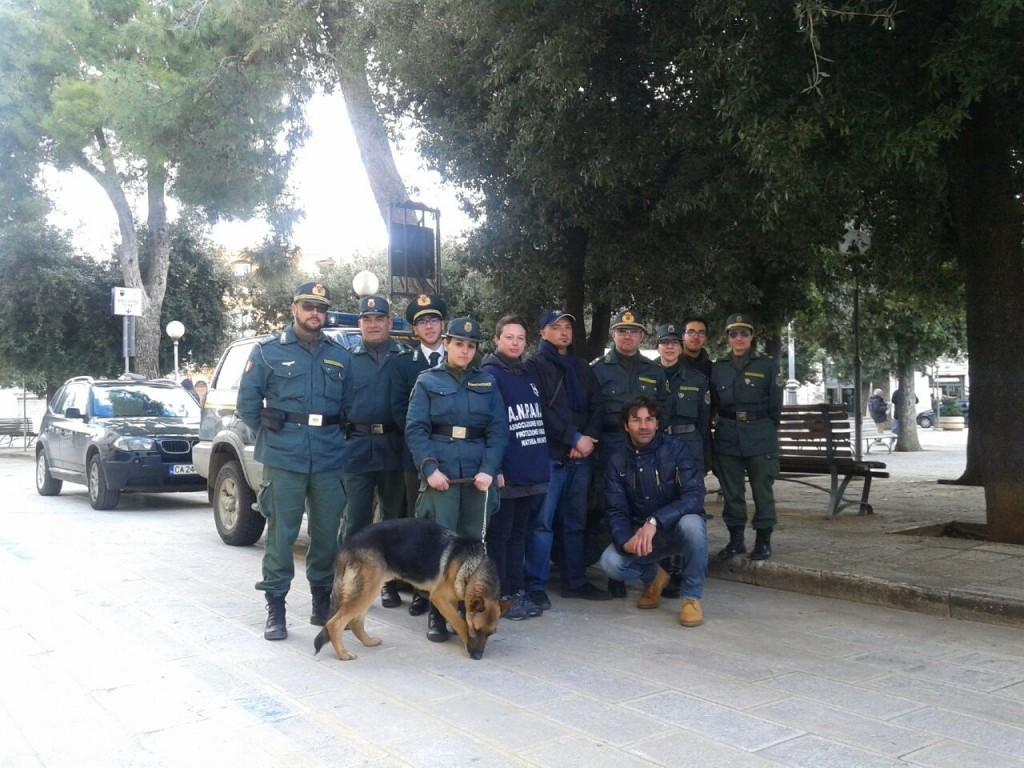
(224, 454)
(131, 434)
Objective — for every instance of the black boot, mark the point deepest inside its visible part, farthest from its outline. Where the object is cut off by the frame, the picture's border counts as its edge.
(277, 627)
(419, 604)
(674, 568)
(616, 588)
(735, 545)
(389, 597)
(762, 545)
(437, 629)
(321, 606)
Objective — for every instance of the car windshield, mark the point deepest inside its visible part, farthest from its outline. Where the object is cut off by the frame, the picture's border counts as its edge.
(141, 400)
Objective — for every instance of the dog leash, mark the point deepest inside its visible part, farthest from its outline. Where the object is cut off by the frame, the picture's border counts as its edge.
(487, 497)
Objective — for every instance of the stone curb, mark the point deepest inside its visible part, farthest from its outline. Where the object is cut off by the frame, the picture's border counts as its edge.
(983, 607)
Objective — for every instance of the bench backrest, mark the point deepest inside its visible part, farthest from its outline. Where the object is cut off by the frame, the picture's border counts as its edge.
(814, 430)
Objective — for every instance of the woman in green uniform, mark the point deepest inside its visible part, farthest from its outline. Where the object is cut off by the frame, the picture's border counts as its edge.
(456, 429)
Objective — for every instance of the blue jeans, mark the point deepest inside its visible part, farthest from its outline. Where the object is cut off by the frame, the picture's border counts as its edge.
(689, 539)
(567, 497)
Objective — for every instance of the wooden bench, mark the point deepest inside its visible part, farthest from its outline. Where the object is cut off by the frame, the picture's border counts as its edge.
(16, 427)
(815, 440)
(871, 437)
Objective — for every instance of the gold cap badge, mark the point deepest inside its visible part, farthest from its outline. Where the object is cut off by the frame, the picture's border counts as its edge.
(627, 317)
(319, 290)
(423, 300)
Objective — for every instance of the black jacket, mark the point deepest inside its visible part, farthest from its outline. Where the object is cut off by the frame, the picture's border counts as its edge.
(561, 423)
(661, 480)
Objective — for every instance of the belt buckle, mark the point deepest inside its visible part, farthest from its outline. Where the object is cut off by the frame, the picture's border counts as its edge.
(741, 415)
(316, 420)
(459, 433)
(376, 429)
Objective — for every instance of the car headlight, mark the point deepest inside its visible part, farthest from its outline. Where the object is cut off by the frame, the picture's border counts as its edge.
(134, 443)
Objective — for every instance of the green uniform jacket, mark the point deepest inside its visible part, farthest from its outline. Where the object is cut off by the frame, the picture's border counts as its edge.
(748, 406)
(409, 365)
(689, 402)
(368, 400)
(619, 385)
(288, 377)
(441, 400)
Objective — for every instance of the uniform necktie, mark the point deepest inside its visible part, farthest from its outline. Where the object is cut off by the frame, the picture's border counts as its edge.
(434, 357)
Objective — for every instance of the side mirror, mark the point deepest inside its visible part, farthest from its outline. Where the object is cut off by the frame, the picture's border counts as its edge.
(73, 413)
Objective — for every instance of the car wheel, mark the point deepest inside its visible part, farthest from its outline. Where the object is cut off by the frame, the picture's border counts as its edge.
(100, 496)
(238, 524)
(925, 422)
(45, 484)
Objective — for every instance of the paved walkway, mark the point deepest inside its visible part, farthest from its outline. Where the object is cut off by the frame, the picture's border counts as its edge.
(133, 638)
(874, 559)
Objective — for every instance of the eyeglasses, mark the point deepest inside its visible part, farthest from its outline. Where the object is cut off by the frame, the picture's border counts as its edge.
(313, 306)
(432, 320)
(692, 332)
(741, 333)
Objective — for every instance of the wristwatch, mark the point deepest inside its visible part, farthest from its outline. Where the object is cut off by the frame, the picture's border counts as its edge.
(653, 521)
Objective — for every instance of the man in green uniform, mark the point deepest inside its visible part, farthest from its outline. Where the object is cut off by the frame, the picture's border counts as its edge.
(748, 405)
(687, 412)
(373, 451)
(291, 395)
(622, 374)
(426, 316)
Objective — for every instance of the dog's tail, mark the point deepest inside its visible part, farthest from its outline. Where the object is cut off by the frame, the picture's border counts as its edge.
(319, 640)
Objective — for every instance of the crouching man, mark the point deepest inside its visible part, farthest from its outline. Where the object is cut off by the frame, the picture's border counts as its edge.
(655, 509)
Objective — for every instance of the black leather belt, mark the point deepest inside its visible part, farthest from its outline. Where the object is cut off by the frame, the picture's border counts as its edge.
(311, 419)
(370, 429)
(458, 433)
(743, 415)
(681, 429)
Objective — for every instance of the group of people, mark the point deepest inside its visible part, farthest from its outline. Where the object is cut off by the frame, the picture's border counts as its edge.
(528, 453)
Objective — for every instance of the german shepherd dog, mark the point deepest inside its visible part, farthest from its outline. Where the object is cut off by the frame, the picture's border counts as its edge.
(426, 555)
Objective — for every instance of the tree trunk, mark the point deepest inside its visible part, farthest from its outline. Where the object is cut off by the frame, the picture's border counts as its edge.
(371, 135)
(148, 333)
(575, 287)
(987, 221)
(599, 328)
(907, 440)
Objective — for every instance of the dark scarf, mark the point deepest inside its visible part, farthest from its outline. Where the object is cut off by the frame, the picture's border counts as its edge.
(577, 396)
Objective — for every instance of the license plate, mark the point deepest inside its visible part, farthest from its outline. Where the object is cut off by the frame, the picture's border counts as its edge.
(183, 469)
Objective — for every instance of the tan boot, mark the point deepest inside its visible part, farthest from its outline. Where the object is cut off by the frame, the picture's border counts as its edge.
(691, 614)
(651, 598)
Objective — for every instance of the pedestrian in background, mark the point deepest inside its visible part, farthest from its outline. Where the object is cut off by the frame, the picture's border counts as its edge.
(878, 409)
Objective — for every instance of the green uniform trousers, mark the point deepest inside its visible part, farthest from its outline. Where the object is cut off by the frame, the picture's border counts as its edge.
(359, 490)
(462, 508)
(762, 471)
(282, 500)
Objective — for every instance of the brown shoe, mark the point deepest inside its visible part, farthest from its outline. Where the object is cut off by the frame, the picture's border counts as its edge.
(691, 614)
(651, 598)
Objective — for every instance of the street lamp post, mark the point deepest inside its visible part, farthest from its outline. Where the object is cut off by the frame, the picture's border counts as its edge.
(791, 383)
(365, 283)
(175, 329)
